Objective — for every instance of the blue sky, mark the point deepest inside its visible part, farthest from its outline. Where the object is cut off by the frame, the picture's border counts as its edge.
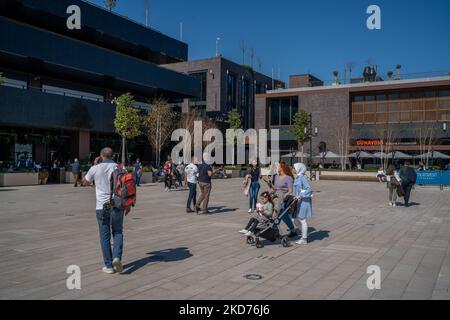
(299, 36)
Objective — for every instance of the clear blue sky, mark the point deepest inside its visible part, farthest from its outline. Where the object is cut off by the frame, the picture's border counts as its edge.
(300, 36)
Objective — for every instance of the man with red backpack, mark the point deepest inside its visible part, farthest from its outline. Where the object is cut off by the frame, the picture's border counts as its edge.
(169, 169)
(115, 195)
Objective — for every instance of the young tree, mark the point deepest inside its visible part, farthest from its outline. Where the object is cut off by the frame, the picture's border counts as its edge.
(159, 123)
(110, 4)
(243, 47)
(390, 74)
(300, 129)
(426, 137)
(127, 121)
(336, 77)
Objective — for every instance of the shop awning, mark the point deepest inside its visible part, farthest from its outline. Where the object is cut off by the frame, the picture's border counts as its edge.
(361, 155)
(433, 155)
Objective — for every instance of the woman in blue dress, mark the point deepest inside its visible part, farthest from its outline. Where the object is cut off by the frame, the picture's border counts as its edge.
(302, 192)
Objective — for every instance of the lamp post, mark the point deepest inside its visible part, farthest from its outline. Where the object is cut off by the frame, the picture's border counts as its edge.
(309, 131)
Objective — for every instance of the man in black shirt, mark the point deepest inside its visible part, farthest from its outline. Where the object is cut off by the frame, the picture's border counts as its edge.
(205, 173)
(408, 177)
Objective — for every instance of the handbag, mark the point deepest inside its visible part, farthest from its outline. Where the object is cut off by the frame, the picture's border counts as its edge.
(400, 191)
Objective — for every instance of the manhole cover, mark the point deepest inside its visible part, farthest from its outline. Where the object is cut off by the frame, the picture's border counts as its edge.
(253, 276)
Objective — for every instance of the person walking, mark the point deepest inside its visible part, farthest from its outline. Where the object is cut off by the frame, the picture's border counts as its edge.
(190, 178)
(76, 172)
(168, 173)
(137, 169)
(205, 173)
(253, 174)
(180, 173)
(408, 178)
(110, 219)
(282, 186)
(393, 183)
(302, 192)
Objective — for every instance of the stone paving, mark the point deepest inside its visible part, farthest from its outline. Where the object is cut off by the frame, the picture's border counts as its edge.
(170, 254)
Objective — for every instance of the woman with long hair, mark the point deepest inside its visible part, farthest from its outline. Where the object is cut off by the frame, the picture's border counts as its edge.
(283, 186)
(393, 182)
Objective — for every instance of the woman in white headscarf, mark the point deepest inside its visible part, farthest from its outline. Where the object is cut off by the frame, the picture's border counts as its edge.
(302, 192)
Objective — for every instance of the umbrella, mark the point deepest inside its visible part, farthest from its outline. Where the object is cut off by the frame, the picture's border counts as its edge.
(433, 155)
(328, 155)
(399, 155)
(361, 155)
(380, 155)
(296, 155)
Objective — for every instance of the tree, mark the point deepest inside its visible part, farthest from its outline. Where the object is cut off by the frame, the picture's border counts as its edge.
(426, 137)
(110, 4)
(300, 129)
(398, 67)
(390, 74)
(243, 47)
(342, 134)
(159, 123)
(127, 121)
(234, 119)
(336, 75)
(252, 56)
(2, 80)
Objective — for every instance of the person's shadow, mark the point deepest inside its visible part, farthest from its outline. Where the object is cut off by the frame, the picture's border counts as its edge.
(166, 255)
(221, 209)
(317, 235)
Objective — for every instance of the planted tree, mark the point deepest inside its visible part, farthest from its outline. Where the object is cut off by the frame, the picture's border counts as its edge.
(336, 76)
(300, 129)
(128, 120)
(398, 67)
(110, 4)
(390, 74)
(159, 123)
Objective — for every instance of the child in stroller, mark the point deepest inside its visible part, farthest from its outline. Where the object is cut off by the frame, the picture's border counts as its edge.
(262, 216)
(265, 227)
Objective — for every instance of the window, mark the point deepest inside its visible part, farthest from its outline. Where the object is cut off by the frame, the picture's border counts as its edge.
(285, 112)
(294, 107)
(231, 92)
(358, 99)
(201, 76)
(444, 93)
(245, 102)
(275, 113)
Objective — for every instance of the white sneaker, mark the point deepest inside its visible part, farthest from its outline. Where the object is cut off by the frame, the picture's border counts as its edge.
(250, 211)
(390, 203)
(394, 204)
(108, 270)
(117, 265)
(243, 231)
(249, 234)
(302, 241)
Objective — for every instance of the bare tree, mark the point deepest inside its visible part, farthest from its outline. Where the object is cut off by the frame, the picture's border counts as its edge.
(252, 56)
(387, 135)
(259, 64)
(426, 137)
(243, 47)
(342, 134)
(349, 67)
(159, 124)
(187, 120)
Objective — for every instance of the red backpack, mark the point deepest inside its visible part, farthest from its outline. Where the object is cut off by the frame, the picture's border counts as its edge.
(123, 188)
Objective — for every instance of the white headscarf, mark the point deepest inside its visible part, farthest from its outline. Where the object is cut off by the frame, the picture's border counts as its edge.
(300, 168)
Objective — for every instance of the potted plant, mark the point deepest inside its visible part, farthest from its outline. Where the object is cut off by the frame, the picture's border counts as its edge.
(43, 177)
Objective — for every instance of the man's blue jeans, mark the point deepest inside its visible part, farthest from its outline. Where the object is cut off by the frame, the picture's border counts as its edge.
(110, 222)
(137, 179)
(192, 197)
(253, 194)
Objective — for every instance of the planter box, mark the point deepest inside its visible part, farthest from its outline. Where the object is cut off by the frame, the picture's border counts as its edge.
(19, 179)
(348, 176)
(147, 177)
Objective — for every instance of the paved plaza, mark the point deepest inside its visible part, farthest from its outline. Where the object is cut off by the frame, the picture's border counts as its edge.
(170, 254)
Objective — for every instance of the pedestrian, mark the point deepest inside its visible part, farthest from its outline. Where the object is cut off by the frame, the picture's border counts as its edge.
(180, 173)
(254, 174)
(302, 192)
(205, 173)
(110, 218)
(282, 186)
(408, 177)
(168, 173)
(137, 169)
(190, 177)
(381, 176)
(393, 183)
(76, 172)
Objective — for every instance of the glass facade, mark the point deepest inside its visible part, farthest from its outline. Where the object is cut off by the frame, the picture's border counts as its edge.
(202, 78)
(282, 111)
(231, 92)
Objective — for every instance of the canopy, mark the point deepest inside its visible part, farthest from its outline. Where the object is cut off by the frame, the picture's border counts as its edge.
(328, 155)
(379, 155)
(399, 155)
(433, 155)
(296, 155)
(361, 155)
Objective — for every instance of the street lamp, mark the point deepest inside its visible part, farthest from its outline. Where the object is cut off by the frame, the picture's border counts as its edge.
(311, 133)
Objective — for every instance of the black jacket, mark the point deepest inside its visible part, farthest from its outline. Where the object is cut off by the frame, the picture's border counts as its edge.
(408, 175)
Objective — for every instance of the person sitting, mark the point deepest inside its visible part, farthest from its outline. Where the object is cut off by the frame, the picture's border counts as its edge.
(262, 215)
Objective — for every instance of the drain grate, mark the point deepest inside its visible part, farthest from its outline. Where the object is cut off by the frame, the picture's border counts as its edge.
(253, 276)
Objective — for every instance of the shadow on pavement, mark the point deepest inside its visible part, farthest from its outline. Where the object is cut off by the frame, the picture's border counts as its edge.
(166, 255)
(1, 189)
(221, 209)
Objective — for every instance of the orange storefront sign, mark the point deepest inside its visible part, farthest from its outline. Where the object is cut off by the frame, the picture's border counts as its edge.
(369, 143)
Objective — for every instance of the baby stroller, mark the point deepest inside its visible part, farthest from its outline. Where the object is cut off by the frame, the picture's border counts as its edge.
(270, 230)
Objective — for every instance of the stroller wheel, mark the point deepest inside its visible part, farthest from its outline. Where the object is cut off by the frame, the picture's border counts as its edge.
(250, 240)
(258, 244)
(285, 242)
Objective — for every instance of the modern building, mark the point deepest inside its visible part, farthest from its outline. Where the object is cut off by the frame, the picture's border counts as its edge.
(225, 85)
(56, 100)
(398, 113)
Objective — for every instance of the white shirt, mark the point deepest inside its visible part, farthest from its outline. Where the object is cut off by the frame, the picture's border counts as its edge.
(191, 171)
(101, 174)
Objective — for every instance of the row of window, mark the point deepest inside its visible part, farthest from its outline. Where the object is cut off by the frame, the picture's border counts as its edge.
(403, 95)
(282, 111)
